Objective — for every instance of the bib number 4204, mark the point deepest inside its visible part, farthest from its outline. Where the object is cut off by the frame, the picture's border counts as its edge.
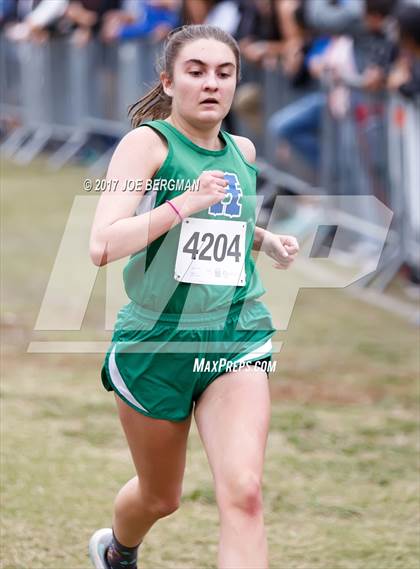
(211, 252)
(215, 248)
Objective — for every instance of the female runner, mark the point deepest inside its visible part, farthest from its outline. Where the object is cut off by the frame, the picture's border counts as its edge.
(194, 336)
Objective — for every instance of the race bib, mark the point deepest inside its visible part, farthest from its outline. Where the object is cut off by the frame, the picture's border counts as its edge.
(211, 252)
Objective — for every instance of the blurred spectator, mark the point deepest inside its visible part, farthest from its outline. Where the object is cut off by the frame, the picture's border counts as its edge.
(364, 20)
(406, 75)
(225, 15)
(8, 12)
(408, 18)
(259, 35)
(298, 44)
(87, 16)
(362, 63)
(375, 51)
(141, 18)
(221, 13)
(330, 17)
(37, 19)
(297, 126)
(196, 11)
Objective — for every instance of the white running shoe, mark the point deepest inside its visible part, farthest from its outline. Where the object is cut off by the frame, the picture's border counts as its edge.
(98, 544)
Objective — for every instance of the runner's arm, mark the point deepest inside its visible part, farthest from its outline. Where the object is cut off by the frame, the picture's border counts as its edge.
(116, 231)
(258, 238)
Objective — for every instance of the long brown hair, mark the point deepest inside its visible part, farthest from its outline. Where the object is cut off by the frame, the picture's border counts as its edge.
(155, 104)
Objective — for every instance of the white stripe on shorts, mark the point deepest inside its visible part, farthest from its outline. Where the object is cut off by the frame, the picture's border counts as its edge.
(118, 381)
(260, 352)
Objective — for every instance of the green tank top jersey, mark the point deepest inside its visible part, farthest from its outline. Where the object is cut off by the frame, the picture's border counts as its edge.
(149, 277)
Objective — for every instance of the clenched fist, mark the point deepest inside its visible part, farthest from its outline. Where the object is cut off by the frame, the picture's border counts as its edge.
(212, 188)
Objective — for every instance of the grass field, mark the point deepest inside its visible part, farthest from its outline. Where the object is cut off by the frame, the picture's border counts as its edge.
(341, 479)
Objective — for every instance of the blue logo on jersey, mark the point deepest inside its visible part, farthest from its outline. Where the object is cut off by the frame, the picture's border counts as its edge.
(231, 205)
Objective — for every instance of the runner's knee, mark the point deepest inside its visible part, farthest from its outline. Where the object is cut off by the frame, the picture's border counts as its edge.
(132, 500)
(160, 507)
(241, 492)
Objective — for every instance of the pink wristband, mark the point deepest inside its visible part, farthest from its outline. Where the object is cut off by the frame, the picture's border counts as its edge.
(176, 210)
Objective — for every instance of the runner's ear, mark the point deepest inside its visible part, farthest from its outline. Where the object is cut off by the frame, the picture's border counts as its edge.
(166, 84)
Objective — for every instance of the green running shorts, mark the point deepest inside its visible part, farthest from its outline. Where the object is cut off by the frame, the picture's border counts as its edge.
(161, 364)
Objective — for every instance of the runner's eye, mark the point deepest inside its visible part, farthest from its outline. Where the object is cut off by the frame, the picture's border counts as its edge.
(195, 73)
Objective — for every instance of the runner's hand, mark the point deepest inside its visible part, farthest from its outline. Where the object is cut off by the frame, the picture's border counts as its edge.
(212, 188)
(282, 248)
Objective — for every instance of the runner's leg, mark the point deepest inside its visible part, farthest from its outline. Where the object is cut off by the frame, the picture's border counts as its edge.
(232, 417)
(158, 449)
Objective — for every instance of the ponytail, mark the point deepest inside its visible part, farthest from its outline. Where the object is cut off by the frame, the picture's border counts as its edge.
(156, 104)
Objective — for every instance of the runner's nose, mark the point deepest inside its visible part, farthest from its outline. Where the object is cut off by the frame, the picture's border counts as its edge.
(210, 82)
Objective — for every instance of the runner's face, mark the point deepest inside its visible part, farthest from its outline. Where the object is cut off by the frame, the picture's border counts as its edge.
(204, 69)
